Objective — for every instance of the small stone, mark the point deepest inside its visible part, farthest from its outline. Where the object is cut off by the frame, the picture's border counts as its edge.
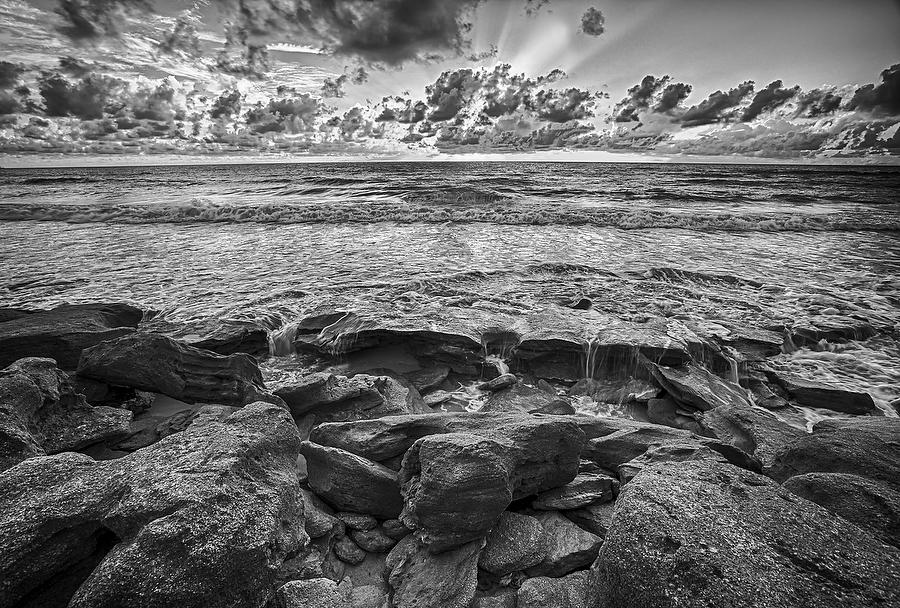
(374, 541)
(498, 383)
(515, 543)
(357, 521)
(348, 551)
(394, 528)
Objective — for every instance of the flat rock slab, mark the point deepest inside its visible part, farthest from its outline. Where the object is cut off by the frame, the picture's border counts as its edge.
(708, 534)
(63, 332)
(754, 430)
(812, 393)
(520, 398)
(352, 483)
(203, 518)
(694, 385)
(152, 362)
(585, 489)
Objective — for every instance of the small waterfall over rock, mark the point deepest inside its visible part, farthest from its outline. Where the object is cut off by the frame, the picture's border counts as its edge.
(281, 340)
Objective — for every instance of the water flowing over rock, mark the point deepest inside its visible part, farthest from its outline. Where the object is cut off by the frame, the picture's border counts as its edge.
(831, 328)
(695, 386)
(706, 534)
(421, 578)
(812, 393)
(156, 363)
(40, 413)
(352, 483)
(203, 518)
(333, 398)
(63, 332)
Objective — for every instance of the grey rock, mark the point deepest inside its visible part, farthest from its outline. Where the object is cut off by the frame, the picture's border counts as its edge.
(373, 541)
(312, 593)
(348, 551)
(569, 547)
(156, 363)
(499, 383)
(515, 543)
(693, 385)
(667, 412)
(358, 521)
(585, 489)
(501, 598)
(812, 393)
(429, 378)
(572, 591)
(421, 578)
(319, 518)
(394, 528)
(593, 518)
(750, 429)
(521, 398)
(352, 483)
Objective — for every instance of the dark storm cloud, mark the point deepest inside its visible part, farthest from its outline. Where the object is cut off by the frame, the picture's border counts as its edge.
(95, 18)
(240, 57)
(563, 106)
(817, 103)
(639, 98)
(87, 99)
(379, 31)
(881, 99)
(715, 108)
(183, 38)
(9, 74)
(9, 103)
(592, 22)
(768, 99)
(450, 92)
(334, 87)
(672, 96)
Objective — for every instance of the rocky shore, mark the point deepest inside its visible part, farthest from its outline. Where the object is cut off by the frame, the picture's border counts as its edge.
(416, 465)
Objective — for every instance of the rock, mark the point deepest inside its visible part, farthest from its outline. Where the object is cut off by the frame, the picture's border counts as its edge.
(706, 533)
(62, 333)
(221, 336)
(667, 452)
(319, 520)
(693, 385)
(831, 328)
(348, 551)
(751, 429)
(146, 430)
(40, 413)
(521, 398)
(871, 505)
(420, 578)
(358, 521)
(569, 547)
(429, 378)
(502, 598)
(203, 518)
(572, 591)
(818, 394)
(313, 593)
(338, 398)
(593, 518)
(667, 412)
(857, 446)
(516, 542)
(394, 528)
(373, 541)
(100, 393)
(436, 398)
(585, 489)
(456, 485)
(499, 383)
(368, 596)
(11, 314)
(352, 483)
(159, 364)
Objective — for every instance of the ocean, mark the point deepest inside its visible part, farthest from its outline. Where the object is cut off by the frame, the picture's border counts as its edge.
(755, 246)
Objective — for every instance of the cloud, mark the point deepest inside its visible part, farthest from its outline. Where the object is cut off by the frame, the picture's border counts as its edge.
(592, 22)
(183, 38)
(96, 18)
(769, 98)
(882, 99)
(817, 102)
(239, 57)
(672, 96)
(334, 87)
(291, 114)
(639, 98)
(715, 108)
(10, 73)
(87, 99)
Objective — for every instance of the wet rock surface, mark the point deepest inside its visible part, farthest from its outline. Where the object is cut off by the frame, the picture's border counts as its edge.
(64, 332)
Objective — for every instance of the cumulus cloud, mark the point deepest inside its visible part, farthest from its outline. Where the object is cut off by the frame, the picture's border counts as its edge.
(334, 87)
(10, 73)
(241, 57)
(881, 99)
(717, 107)
(593, 22)
(672, 96)
(769, 98)
(659, 93)
(96, 18)
(183, 38)
(817, 102)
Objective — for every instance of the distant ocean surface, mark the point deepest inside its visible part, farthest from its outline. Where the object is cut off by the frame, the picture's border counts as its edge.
(754, 245)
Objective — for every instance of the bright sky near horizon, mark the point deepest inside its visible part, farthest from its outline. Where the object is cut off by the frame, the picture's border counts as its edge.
(427, 78)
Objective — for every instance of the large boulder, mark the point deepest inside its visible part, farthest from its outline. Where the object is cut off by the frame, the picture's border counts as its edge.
(754, 430)
(708, 534)
(202, 518)
(456, 485)
(153, 362)
(63, 332)
(520, 398)
(339, 398)
(222, 336)
(515, 543)
(693, 385)
(569, 547)
(40, 413)
(420, 578)
(813, 393)
(352, 483)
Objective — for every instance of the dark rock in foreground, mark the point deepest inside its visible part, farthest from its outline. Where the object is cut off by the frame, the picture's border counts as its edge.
(420, 578)
(204, 518)
(152, 362)
(40, 413)
(708, 534)
(62, 333)
(818, 394)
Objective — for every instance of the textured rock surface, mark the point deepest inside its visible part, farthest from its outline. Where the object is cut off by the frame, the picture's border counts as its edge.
(338, 398)
(40, 413)
(516, 542)
(707, 534)
(572, 591)
(156, 363)
(585, 489)
(312, 593)
(348, 551)
(202, 518)
(593, 518)
(352, 483)
(525, 399)
(62, 333)
(694, 385)
(569, 547)
(750, 429)
(147, 430)
(456, 485)
(373, 541)
(818, 394)
(420, 578)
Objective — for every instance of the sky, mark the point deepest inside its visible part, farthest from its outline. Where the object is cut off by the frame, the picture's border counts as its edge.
(142, 80)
